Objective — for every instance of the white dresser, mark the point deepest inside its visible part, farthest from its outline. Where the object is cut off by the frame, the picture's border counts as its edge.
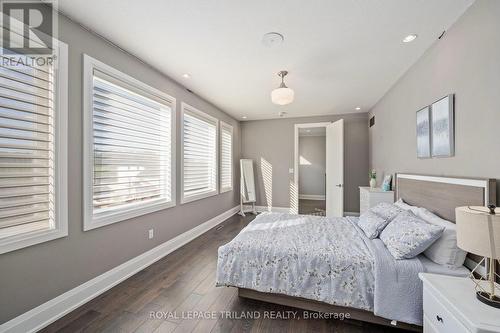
(369, 197)
(450, 306)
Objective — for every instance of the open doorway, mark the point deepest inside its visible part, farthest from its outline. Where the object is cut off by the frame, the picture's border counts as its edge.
(312, 171)
(319, 168)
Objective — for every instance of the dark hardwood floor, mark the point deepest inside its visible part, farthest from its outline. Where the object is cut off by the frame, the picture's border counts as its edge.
(183, 282)
(312, 207)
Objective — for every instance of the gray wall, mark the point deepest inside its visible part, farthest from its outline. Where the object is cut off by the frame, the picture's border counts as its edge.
(36, 274)
(270, 144)
(465, 62)
(312, 172)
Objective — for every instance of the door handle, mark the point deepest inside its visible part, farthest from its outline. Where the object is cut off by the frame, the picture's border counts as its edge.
(339, 185)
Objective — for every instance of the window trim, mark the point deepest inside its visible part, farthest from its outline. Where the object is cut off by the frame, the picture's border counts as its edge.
(186, 107)
(89, 220)
(223, 125)
(60, 229)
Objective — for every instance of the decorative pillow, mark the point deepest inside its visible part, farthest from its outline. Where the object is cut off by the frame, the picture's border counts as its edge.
(403, 205)
(386, 210)
(408, 235)
(444, 251)
(371, 224)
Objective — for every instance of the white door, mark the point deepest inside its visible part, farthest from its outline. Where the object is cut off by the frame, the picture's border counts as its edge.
(335, 169)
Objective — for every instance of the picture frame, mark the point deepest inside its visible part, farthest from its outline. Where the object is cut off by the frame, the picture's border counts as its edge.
(443, 127)
(424, 133)
(387, 183)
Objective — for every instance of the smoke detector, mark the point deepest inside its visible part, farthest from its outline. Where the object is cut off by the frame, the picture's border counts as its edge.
(272, 39)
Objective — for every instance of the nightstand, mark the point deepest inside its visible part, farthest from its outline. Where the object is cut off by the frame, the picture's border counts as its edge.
(450, 306)
(369, 197)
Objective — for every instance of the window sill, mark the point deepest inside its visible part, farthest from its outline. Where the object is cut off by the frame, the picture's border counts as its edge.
(103, 219)
(20, 241)
(227, 189)
(185, 200)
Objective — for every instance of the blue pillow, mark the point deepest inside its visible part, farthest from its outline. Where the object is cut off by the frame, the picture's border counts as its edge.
(408, 235)
(372, 224)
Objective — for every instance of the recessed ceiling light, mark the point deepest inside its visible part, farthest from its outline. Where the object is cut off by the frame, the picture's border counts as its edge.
(358, 108)
(410, 38)
(244, 117)
(186, 76)
(308, 131)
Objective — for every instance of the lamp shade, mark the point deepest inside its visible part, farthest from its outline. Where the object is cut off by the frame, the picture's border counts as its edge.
(478, 231)
(282, 96)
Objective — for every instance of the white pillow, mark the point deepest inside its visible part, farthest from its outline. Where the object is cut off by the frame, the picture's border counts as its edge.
(403, 205)
(443, 251)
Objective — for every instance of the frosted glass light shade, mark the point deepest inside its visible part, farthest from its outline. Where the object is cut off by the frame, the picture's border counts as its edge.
(282, 96)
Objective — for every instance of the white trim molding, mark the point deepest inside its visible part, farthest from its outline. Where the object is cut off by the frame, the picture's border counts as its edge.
(297, 127)
(23, 237)
(225, 127)
(48, 312)
(482, 183)
(351, 213)
(208, 118)
(312, 196)
(262, 209)
(288, 210)
(91, 68)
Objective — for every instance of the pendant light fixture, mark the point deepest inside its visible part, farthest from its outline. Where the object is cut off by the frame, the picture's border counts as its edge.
(282, 95)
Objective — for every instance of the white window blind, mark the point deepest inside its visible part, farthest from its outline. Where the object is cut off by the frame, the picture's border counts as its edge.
(199, 154)
(131, 150)
(226, 157)
(26, 149)
(33, 136)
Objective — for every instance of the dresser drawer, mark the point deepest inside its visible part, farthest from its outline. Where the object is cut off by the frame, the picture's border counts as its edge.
(364, 201)
(437, 318)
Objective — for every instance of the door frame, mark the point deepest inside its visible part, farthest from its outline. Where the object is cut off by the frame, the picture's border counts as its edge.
(297, 127)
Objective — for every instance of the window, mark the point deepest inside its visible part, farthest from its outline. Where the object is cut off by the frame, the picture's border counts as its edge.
(226, 157)
(33, 152)
(129, 147)
(199, 154)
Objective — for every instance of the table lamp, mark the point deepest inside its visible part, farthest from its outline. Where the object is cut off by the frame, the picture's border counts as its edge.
(478, 232)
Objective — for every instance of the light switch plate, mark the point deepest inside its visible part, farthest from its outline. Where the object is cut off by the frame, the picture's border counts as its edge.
(290, 170)
(151, 233)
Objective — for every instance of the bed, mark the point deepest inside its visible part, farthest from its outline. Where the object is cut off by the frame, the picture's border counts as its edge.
(329, 265)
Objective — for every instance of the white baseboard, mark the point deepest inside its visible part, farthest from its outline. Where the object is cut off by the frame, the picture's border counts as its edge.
(351, 213)
(312, 196)
(261, 209)
(48, 312)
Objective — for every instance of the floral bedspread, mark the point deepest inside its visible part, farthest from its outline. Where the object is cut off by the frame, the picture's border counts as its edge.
(318, 258)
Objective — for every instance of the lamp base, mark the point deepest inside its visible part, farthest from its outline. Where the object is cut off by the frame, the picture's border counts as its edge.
(485, 298)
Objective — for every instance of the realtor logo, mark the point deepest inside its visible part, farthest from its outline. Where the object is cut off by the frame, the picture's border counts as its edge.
(27, 27)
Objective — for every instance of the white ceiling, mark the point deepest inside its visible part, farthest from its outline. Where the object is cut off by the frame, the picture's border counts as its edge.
(341, 54)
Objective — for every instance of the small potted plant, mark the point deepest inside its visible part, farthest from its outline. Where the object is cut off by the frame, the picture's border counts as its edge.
(373, 178)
